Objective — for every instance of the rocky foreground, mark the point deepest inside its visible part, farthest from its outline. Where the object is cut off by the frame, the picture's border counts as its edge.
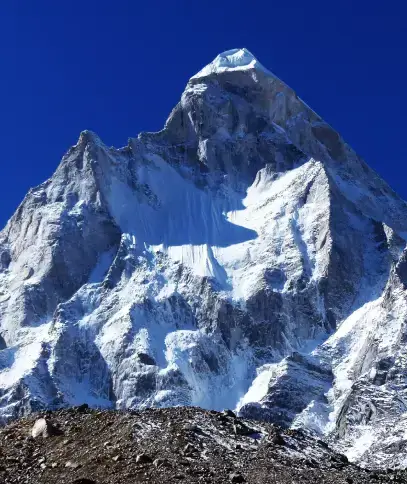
(84, 446)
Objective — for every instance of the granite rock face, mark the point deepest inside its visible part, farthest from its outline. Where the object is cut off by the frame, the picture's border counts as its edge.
(242, 257)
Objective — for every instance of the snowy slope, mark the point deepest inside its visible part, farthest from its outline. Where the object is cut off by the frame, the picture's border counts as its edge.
(242, 257)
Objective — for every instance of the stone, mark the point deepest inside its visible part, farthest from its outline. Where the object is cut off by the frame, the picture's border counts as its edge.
(239, 428)
(82, 408)
(236, 477)
(84, 480)
(229, 413)
(143, 459)
(44, 428)
(189, 449)
(277, 439)
(146, 359)
(193, 428)
(161, 463)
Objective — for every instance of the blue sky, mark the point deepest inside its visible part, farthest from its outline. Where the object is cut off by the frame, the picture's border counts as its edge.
(119, 67)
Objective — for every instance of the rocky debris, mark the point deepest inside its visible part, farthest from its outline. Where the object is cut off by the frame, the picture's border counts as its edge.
(44, 428)
(161, 445)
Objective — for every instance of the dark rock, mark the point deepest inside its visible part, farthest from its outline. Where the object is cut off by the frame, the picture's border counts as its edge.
(82, 408)
(240, 428)
(277, 439)
(146, 359)
(189, 449)
(193, 428)
(236, 477)
(143, 459)
(84, 480)
(343, 458)
(161, 463)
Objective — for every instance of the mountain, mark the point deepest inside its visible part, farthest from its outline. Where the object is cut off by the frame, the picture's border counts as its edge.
(243, 257)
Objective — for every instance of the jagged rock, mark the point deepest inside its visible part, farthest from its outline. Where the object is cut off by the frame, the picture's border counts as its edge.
(83, 407)
(242, 429)
(229, 413)
(146, 359)
(277, 439)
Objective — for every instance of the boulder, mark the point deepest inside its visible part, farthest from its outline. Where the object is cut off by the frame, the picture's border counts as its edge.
(44, 428)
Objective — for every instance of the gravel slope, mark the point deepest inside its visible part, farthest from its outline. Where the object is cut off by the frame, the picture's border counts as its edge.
(189, 445)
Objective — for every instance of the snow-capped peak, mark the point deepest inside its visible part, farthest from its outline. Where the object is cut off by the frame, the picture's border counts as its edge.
(242, 257)
(231, 60)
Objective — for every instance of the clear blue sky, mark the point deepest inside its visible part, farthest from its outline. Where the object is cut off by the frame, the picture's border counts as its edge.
(118, 67)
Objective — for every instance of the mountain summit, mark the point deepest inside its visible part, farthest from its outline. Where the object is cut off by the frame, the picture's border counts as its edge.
(242, 257)
(231, 60)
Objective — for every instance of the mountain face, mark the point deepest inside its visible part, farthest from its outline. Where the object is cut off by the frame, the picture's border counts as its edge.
(242, 257)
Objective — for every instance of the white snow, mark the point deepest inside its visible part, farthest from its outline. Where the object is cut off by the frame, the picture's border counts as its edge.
(362, 443)
(189, 350)
(18, 361)
(231, 60)
(102, 266)
(259, 387)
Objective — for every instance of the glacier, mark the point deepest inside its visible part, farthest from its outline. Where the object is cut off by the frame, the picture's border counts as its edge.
(243, 257)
